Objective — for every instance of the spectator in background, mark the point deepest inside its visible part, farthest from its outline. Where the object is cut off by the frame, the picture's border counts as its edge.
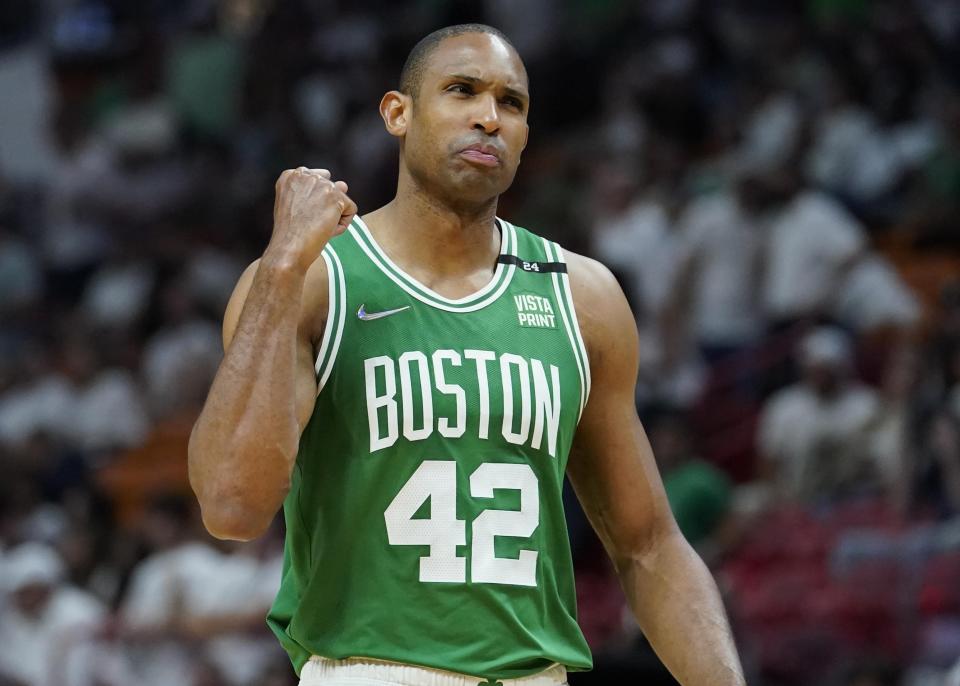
(818, 266)
(700, 495)
(937, 199)
(635, 235)
(953, 676)
(232, 621)
(719, 268)
(854, 156)
(42, 619)
(79, 400)
(873, 298)
(191, 609)
(163, 590)
(204, 73)
(180, 358)
(812, 245)
(772, 130)
(41, 404)
(117, 293)
(889, 439)
(938, 469)
(945, 349)
(21, 279)
(811, 434)
(633, 231)
(25, 147)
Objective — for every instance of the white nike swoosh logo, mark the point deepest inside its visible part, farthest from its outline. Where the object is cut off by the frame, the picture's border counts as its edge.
(363, 315)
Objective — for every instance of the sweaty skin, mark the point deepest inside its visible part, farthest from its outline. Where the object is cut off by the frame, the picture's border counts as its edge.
(461, 137)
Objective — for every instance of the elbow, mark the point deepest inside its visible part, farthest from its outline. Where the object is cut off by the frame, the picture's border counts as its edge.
(241, 510)
(645, 545)
(235, 522)
(235, 511)
(236, 504)
(232, 529)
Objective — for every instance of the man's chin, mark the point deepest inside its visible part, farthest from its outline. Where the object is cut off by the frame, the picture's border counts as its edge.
(497, 177)
(476, 186)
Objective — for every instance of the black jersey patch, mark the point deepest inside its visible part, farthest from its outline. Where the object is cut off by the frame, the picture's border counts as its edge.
(535, 267)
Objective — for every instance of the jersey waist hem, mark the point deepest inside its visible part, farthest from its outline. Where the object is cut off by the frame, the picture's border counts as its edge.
(555, 671)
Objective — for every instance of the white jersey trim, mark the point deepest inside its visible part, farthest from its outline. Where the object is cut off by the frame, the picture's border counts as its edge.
(561, 289)
(502, 276)
(336, 317)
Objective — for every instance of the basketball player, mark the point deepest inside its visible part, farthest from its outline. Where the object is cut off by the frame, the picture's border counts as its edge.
(412, 387)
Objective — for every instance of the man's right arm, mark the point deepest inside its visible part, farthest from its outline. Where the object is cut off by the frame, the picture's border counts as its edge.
(244, 443)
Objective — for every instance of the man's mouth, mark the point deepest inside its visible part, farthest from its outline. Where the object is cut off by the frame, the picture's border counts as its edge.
(482, 155)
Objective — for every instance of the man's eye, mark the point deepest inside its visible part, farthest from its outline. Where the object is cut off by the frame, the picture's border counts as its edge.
(513, 102)
(460, 88)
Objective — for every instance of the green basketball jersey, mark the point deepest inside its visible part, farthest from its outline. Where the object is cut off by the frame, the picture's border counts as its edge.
(424, 522)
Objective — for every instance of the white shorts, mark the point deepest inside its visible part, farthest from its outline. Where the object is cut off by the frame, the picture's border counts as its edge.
(321, 671)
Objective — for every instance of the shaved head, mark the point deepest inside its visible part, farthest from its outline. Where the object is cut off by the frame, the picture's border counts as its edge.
(461, 115)
(411, 76)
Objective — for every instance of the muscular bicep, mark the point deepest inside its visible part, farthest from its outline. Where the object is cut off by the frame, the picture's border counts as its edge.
(307, 332)
(235, 306)
(611, 465)
(306, 382)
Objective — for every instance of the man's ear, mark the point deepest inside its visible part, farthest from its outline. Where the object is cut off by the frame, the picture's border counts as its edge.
(526, 137)
(396, 109)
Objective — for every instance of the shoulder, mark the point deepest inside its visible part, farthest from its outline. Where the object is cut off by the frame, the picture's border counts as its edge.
(606, 322)
(592, 281)
(313, 310)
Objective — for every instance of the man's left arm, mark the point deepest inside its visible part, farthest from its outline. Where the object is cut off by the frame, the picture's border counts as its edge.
(611, 467)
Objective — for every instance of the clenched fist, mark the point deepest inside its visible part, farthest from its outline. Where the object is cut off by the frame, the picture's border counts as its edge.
(309, 210)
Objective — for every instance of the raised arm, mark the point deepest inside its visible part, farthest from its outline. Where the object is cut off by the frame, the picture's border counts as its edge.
(244, 443)
(668, 587)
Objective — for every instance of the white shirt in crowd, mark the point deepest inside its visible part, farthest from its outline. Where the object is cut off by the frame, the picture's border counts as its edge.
(32, 646)
(723, 243)
(874, 295)
(106, 413)
(809, 243)
(640, 245)
(177, 361)
(770, 135)
(21, 275)
(196, 581)
(162, 586)
(853, 155)
(118, 293)
(26, 146)
(246, 584)
(798, 428)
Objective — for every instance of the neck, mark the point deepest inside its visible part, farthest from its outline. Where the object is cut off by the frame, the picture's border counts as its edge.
(434, 238)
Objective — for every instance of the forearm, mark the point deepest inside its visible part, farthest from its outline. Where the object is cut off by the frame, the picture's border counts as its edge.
(676, 602)
(245, 441)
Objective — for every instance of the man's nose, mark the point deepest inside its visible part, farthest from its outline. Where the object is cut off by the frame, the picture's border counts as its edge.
(486, 117)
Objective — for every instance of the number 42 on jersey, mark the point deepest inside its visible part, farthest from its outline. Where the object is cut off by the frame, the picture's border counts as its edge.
(443, 532)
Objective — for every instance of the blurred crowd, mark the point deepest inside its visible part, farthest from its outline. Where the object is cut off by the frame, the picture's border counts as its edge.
(775, 185)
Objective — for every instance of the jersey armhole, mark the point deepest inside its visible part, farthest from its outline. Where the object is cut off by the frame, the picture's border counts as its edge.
(336, 316)
(568, 313)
